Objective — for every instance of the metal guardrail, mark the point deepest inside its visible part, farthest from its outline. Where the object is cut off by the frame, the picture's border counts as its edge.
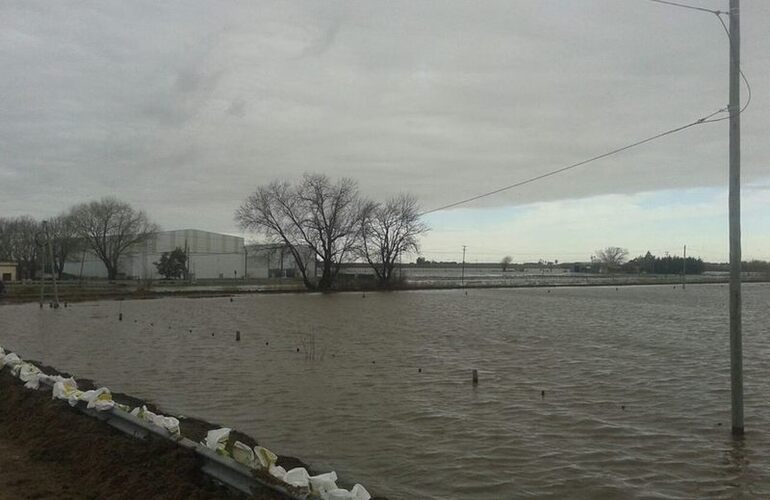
(224, 469)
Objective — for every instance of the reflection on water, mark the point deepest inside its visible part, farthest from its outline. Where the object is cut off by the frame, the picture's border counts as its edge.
(585, 393)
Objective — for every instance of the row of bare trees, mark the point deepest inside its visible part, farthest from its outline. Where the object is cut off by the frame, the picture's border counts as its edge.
(107, 227)
(335, 223)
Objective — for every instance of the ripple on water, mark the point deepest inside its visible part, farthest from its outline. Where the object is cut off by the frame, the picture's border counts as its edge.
(635, 384)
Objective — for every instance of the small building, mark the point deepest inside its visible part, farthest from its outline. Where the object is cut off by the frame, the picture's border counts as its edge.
(8, 271)
(277, 261)
(209, 256)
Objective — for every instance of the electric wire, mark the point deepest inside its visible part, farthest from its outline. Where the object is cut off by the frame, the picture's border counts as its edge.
(705, 119)
(684, 6)
(700, 121)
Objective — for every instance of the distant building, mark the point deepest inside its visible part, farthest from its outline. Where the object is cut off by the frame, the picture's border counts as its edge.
(8, 271)
(210, 256)
(276, 261)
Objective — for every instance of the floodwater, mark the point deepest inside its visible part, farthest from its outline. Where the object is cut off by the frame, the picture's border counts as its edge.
(636, 381)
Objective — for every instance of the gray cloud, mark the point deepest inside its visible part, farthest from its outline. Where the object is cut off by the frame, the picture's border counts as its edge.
(184, 107)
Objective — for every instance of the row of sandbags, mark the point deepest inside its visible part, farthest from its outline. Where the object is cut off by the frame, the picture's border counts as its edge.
(67, 389)
(259, 457)
(324, 485)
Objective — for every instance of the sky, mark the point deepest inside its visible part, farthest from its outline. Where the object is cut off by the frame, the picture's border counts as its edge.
(183, 108)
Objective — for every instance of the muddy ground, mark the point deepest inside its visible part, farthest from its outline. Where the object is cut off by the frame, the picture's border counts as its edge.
(49, 450)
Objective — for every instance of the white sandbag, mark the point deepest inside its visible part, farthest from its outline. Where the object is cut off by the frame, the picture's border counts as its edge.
(99, 399)
(265, 457)
(63, 388)
(33, 383)
(360, 493)
(10, 360)
(171, 424)
(217, 439)
(277, 471)
(298, 477)
(26, 371)
(323, 483)
(244, 455)
(337, 494)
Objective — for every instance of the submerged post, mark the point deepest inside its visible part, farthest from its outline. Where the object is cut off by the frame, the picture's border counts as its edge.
(475, 377)
(736, 342)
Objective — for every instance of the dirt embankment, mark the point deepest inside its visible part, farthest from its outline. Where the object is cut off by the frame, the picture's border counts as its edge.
(51, 451)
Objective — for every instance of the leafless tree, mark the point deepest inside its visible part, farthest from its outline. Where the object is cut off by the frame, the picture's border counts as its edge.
(506, 262)
(612, 257)
(110, 227)
(20, 243)
(388, 230)
(316, 214)
(64, 238)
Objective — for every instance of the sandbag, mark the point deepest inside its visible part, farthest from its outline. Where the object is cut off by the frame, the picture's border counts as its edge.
(337, 494)
(277, 471)
(10, 360)
(244, 455)
(265, 457)
(217, 440)
(99, 399)
(360, 493)
(323, 483)
(64, 388)
(298, 477)
(171, 424)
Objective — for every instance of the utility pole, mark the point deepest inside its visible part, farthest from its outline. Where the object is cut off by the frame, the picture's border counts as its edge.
(462, 272)
(684, 267)
(736, 347)
(53, 265)
(42, 273)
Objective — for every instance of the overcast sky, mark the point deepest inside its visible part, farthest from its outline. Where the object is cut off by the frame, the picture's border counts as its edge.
(183, 108)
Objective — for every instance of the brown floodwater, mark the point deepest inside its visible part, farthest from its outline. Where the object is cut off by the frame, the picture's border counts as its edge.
(636, 381)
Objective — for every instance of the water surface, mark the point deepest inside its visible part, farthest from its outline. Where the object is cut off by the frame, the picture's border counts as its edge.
(636, 383)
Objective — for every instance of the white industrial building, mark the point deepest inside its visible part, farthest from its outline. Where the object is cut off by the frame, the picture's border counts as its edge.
(210, 256)
(277, 261)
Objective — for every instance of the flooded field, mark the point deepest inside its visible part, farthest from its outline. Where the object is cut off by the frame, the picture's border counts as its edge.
(636, 382)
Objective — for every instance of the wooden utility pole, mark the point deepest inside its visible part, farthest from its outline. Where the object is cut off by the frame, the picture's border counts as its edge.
(462, 272)
(736, 342)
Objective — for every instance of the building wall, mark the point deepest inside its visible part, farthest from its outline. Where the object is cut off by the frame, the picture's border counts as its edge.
(210, 256)
(275, 261)
(8, 270)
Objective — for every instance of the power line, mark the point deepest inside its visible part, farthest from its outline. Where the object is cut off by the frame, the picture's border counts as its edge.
(700, 121)
(684, 6)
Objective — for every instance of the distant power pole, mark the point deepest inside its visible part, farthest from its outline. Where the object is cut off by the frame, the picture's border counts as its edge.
(684, 267)
(462, 271)
(736, 347)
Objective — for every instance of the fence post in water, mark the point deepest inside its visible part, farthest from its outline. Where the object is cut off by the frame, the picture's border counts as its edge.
(237, 335)
(475, 377)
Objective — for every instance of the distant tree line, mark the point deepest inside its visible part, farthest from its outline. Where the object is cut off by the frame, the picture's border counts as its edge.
(336, 223)
(651, 264)
(106, 227)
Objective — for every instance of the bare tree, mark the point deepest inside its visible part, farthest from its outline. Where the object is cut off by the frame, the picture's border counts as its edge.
(111, 227)
(612, 257)
(389, 230)
(506, 262)
(316, 214)
(20, 243)
(64, 237)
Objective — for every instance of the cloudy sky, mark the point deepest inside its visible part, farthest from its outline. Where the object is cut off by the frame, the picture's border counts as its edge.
(183, 107)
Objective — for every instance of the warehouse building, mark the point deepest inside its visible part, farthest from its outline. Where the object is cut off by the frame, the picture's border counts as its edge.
(277, 261)
(210, 256)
